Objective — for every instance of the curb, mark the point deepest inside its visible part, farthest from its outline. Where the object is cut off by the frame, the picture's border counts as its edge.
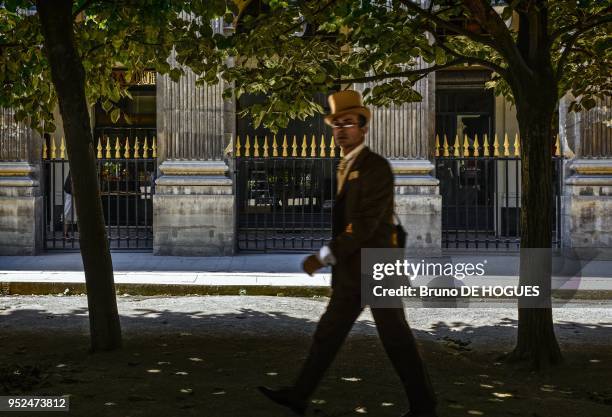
(71, 288)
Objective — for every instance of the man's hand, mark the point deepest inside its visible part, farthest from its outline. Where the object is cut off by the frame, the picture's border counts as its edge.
(311, 264)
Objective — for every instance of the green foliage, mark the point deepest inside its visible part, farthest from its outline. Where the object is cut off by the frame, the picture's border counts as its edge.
(135, 35)
(389, 45)
(354, 41)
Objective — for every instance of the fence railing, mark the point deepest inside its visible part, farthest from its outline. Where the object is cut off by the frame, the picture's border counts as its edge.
(292, 146)
(285, 190)
(126, 174)
(480, 184)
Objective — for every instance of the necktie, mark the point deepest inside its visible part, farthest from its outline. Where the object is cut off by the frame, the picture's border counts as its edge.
(340, 174)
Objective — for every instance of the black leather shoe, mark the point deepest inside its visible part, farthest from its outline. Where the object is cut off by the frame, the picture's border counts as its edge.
(420, 414)
(285, 397)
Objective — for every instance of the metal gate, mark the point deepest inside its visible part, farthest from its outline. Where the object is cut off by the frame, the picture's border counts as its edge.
(126, 168)
(284, 192)
(480, 186)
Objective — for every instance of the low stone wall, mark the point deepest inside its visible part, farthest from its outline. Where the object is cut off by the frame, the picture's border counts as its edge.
(193, 210)
(418, 203)
(21, 210)
(587, 205)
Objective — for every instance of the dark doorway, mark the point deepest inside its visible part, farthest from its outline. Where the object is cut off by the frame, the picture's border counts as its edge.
(465, 113)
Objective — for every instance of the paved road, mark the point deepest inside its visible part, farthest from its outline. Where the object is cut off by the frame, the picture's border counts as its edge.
(285, 316)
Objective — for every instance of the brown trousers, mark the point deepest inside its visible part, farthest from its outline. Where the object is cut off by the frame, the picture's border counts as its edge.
(396, 337)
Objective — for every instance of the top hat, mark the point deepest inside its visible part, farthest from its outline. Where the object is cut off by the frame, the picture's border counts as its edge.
(344, 102)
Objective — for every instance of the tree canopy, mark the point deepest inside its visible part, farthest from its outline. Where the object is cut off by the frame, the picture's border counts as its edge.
(133, 35)
(290, 50)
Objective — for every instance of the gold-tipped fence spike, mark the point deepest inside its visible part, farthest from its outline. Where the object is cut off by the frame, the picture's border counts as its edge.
(126, 154)
(274, 147)
(313, 146)
(485, 145)
(517, 145)
(304, 146)
(332, 148)
(238, 145)
(557, 146)
(456, 146)
(108, 148)
(154, 148)
(506, 145)
(445, 146)
(256, 147)
(247, 146)
(145, 149)
(322, 146)
(117, 148)
(265, 146)
(44, 150)
(62, 149)
(476, 146)
(466, 145)
(496, 146)
(294, 147)
(53, 148)
(285, 146)
(99, 148)
(136, 148)
(437, 145)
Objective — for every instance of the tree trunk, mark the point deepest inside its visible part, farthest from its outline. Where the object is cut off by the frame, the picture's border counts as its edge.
(68, 77)
(536, 341)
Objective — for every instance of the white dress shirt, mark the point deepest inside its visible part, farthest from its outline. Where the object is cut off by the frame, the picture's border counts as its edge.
(325, 255)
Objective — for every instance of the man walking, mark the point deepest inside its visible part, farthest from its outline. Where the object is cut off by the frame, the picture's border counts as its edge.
(362, 218)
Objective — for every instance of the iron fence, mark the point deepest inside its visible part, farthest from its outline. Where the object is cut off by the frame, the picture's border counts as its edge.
(480, 184)
(284, 193)
(126, 173)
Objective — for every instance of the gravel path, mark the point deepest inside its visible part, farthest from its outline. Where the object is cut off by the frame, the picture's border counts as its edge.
(284, 316)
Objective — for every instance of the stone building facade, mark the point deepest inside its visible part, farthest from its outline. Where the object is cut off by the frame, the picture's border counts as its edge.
(194, 210)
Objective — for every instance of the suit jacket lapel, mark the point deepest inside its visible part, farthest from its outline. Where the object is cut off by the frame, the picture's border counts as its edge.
(354, 167)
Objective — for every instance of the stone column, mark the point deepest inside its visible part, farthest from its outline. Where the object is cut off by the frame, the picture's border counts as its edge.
(193, 204)
(21, 201)
(587, 196)
(404, 135)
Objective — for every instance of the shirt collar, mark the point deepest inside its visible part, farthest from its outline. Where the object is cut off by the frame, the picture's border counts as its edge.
(353, 154)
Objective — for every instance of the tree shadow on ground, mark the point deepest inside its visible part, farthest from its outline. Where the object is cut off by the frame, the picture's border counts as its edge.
(196, 363)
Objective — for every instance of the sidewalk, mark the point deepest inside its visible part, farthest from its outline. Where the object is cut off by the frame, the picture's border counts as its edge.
(265, 272)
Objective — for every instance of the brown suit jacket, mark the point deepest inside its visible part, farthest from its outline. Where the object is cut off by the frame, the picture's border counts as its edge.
(362, 217)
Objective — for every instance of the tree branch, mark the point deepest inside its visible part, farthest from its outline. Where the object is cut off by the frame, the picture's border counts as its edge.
(448, 25)
(492, 22)
(569, 44)
(82, 8)
(420, 71)
(485, 63)
(604, 16)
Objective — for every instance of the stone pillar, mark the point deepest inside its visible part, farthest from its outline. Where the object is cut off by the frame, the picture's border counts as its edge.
(193, 204)
(587, 195)
(21, 201)
(418, 203)
(193, 209)
(404, 135)
(587, 204)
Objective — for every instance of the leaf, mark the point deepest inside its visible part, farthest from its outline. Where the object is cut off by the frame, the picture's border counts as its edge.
(440, 56)
(114, 115)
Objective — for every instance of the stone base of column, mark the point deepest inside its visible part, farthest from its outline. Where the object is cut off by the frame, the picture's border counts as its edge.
(21, 210)
(587, 205)
(418, 203)
(193, 209)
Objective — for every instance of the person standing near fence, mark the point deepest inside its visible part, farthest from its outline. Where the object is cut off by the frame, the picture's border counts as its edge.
(69, 209)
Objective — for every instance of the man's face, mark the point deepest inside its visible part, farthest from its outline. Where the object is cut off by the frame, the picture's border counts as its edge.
(347, 132)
